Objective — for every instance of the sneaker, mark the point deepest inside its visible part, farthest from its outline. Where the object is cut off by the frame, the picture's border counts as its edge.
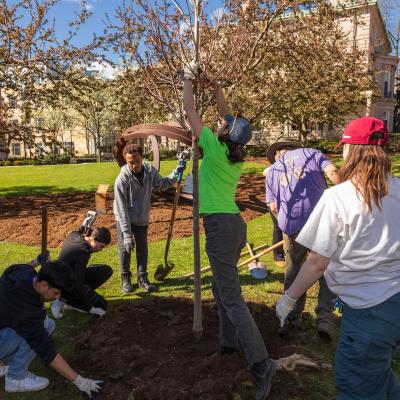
(263, 373)
(144, 283)
(31, 383)
(3, 370)
(126, 284)
(223, 351)
(279, 258)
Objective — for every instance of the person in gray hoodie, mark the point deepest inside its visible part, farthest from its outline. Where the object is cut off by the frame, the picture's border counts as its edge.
(132, 203)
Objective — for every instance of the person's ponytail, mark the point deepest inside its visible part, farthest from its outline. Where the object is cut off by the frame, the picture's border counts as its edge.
(236, 152)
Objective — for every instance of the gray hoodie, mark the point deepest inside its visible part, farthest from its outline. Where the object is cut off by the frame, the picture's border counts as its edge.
(132, 201)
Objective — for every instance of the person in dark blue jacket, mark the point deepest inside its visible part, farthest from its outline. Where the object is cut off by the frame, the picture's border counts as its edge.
(25, 328)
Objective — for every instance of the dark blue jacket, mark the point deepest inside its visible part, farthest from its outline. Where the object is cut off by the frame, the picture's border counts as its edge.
(22, 309)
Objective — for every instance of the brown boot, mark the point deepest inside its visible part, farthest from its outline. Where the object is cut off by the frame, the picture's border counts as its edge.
(326, 327)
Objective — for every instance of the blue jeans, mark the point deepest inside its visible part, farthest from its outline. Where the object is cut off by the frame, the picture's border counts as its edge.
(16, 352)
(369, 339)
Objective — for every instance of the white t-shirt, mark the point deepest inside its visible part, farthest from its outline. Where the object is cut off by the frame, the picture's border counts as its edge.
(363, 246)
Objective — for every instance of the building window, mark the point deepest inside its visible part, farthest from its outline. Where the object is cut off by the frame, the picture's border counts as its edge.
(69, 147)
(387, 119)
(387, 93)
(16, 149)
(39, 149)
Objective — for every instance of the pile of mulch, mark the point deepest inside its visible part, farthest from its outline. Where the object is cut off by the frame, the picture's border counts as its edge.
(145, 350)
(21, 220)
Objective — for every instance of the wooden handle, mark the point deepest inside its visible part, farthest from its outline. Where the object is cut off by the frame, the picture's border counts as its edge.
(255, 257)
(172, 221)
(44, 230)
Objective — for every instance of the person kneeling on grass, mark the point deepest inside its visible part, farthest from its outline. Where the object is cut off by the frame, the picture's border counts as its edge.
(25, 328)
(75, 254)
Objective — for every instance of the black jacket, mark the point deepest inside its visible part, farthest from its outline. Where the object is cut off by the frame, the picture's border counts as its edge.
(75, 253)
(22, 309)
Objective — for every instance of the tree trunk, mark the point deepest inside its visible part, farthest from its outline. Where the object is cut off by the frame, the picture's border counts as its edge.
(197, 317)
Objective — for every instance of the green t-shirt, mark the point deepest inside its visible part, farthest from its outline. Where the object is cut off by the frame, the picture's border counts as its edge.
(218, 176)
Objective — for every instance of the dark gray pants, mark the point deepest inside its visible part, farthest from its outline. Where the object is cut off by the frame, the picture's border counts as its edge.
(295, 255)
(139, 234)
(225, 237)
(277, 236)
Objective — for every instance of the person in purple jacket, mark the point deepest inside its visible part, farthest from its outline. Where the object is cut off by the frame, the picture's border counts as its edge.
(294, 184)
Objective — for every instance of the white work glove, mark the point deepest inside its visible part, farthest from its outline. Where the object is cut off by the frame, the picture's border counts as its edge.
(191, 71)
(283, 308)
(97, 311)
(87, 385)
(57, 309)
(128, 244)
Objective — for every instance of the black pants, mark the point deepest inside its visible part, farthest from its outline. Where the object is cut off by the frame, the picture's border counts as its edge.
(139, 234)
(95, 276)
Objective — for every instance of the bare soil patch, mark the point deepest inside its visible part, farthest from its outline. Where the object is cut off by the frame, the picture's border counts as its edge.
(146, 351)
(21, 221)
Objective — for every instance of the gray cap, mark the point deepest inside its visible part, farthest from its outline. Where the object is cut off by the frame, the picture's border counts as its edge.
(239, 129)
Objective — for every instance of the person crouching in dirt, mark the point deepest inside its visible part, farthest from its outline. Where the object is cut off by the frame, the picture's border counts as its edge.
(75, 253)
(132, 202)
(226, 231)
(25, 329)
(353, 234)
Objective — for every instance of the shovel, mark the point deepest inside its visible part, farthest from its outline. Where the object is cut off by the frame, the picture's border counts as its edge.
(256, 268)
(163, 270)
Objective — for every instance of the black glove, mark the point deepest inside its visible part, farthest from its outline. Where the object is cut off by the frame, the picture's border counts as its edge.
(41, 259)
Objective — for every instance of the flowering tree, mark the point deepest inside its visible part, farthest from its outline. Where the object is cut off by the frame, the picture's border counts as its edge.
(250, 47)
(35, 65)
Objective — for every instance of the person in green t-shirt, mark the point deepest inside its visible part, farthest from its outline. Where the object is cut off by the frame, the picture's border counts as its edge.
(225, 229)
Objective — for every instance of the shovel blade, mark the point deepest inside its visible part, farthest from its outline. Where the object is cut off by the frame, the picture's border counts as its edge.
(163, 271)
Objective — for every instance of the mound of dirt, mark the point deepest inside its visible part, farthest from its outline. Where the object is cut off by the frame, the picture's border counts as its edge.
(21, 221)
(145, 350)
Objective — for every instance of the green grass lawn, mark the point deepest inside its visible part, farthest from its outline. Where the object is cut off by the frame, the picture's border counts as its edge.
(55, 179)
(67, 178)
(267, 292)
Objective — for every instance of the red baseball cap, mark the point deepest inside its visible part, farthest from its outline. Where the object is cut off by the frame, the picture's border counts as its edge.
(365, 130)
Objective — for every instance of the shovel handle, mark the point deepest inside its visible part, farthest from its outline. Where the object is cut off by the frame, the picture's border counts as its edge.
(171, 224)
(242, 263)
(44, 230)
(250, 249)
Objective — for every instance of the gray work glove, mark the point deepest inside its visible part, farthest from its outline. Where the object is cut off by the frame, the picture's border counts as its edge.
(283, 308)
(87, 385)
(57, 309)
(97, 311)
(41, 259)
(128, 244)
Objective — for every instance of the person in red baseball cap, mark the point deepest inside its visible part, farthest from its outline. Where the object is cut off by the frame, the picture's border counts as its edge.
(354, 237)
(365, 131)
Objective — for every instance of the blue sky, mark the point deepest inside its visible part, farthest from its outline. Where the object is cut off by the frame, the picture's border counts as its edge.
(66, 10)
